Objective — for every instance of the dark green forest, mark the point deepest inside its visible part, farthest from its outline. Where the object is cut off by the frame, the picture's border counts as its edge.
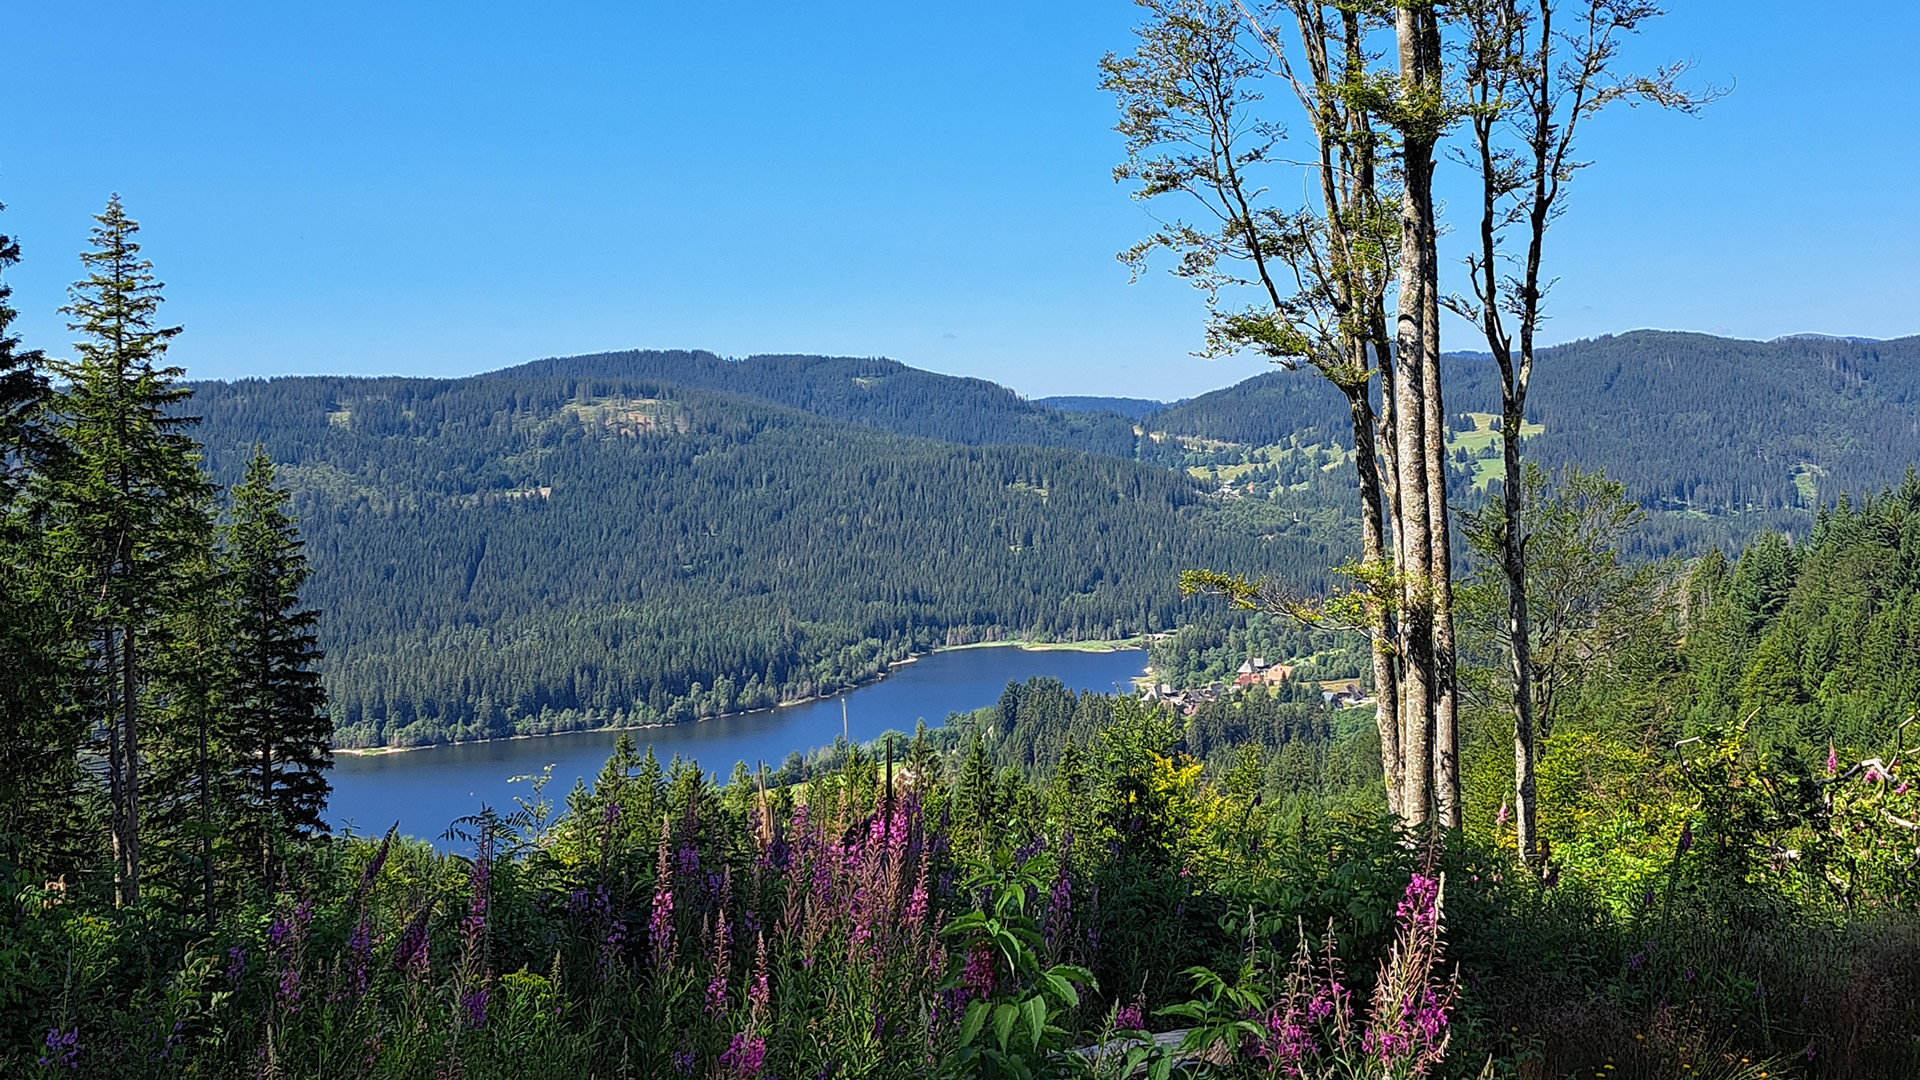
(499, 556)
(1721, 439)
(525, 551)
(873, 392)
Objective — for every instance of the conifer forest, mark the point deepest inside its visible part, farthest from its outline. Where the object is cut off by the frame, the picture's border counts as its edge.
(1513, 711)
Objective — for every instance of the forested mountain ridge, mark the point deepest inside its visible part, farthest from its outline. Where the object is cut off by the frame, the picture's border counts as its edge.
(1133, 408)
(501, 555)
(871, 391)
(1692, 424)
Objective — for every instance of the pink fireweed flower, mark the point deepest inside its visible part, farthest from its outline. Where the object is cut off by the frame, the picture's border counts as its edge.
(917, 900)
(1417, 904)
(717, 986)
(759, 994)
(1500, 819)
(660, 925)
(1833, 759)
(744, 1056)
(978, 978)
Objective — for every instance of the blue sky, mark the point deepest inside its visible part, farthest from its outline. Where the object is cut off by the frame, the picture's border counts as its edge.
(432, 189)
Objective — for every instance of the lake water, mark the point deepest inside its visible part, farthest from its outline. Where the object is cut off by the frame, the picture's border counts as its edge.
(424, 790)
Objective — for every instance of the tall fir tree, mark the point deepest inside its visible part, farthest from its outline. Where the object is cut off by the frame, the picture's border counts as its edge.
(126, 507)
(199, 775)
(279, 710)
(39, 740)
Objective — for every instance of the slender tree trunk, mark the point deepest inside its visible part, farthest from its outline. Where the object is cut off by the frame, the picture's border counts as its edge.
(266, 817)
(206, 823)
(116, 795)
(1417, 290)
(131, 778)
(1519, 632)
(1386, 680)
(1446, 740)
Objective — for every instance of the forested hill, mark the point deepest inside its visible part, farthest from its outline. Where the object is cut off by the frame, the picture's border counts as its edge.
(1131, 407)
(498, 555)
(1690, 422)
(873, 392)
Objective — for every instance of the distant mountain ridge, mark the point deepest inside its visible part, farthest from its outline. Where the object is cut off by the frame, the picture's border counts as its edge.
(870, 391)
(1131, 408)
(1690, 422)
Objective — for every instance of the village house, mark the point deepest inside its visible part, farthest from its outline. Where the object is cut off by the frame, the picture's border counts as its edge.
(1257, 672)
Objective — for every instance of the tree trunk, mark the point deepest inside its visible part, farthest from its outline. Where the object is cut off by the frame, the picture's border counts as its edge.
(206, 822)
(1417, 289)
(1446, 739)
(266, 816)
(116, 796)
(130, 781)
(1519, 632)
(1386, 679)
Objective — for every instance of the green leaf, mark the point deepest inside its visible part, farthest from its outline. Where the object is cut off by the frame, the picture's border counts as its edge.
(970, 1025)
(1003, 1018)
(1036, 1009)
(1062, 989)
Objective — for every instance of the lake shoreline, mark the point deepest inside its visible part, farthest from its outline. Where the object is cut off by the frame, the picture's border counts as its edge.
(1108, 646)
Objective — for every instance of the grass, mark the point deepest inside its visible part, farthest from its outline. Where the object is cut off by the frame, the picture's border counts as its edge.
(1483, 435)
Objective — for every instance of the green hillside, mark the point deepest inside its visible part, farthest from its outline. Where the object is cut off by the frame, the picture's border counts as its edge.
(1133, 408)
(497, 555)
(1723, 437)
(872, 392)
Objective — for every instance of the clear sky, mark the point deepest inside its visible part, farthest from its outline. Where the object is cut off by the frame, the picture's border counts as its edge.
(438, 189)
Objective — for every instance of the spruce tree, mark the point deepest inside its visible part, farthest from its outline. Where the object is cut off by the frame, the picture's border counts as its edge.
(126, 506)
(279, 713)
(39, 740)
(199, 777)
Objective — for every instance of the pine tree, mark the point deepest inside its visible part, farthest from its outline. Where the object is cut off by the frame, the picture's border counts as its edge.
(280, 721)
(126, 506)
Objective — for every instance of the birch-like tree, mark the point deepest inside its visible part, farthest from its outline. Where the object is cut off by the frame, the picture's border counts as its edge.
(1533, 73)
(1302, 283)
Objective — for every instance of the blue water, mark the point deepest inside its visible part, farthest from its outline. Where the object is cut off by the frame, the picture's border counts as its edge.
(424, 790)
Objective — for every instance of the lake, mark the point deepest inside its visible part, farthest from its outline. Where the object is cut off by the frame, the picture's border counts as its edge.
(426, 789)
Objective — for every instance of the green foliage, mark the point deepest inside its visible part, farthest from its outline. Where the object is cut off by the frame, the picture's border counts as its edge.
(524, 554)
(1014, 1029)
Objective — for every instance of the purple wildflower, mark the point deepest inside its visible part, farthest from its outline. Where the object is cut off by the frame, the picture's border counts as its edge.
(1833, 759)
(360, 948)
(287, 995)
(978, 978)
(660, 926)
(759, 993)
(717, 986)
(236, 965)
(63, 1049)
(744, 1056)
(1129, 1017)
(411, 956)
(1686, 840)
(474, 1005)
